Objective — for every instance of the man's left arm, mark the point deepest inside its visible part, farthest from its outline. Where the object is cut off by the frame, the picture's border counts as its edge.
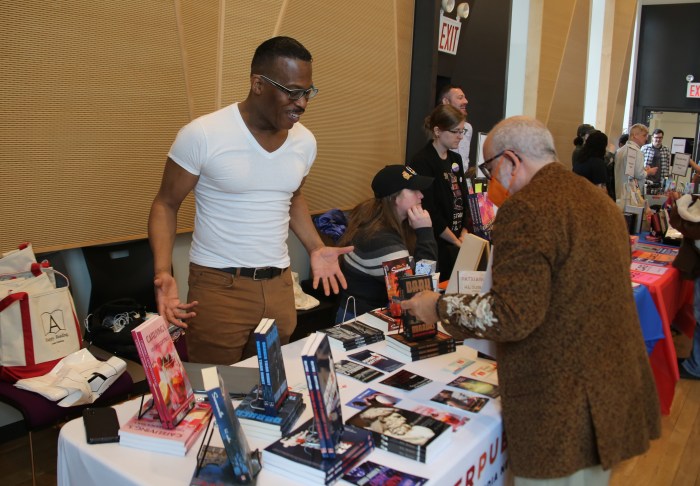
(324, 259)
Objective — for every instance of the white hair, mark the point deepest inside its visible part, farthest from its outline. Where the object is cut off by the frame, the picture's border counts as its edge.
(525, 136)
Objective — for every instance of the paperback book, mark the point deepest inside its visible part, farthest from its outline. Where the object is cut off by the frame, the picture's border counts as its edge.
(462, 401)
(230, 428)
(257, 423)
(454, 421)
(393, 269)
(213, 468)
(403, 432)
(372, 474)
(299, 454)
(381, 319)
(324, 394)
(376, 360)
(273, 379)
(357, 371)
(410, 285)
(406, 380)
(167, 380)
(439, 344)
(352, 335)
(148, 432)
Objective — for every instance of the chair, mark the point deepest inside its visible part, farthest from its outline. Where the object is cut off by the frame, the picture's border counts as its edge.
(40, 413)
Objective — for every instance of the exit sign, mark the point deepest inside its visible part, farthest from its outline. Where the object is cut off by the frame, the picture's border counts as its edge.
(693, 90)
(448, 37)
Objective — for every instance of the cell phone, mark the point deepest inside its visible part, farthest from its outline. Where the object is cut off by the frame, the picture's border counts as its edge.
(101, 425)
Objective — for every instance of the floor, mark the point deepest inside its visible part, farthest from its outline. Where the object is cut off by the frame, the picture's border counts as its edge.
(673, 460)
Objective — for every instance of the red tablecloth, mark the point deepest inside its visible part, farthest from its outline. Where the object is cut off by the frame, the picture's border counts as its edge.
(674, 299)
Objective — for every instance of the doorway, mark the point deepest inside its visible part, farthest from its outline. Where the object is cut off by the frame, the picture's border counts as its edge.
(676, 124)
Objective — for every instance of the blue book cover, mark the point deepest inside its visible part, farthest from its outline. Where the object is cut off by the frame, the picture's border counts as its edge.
(230, 428)
(273, 378)
(252, 408)
(299, 453)
(372, 474)
(322, 382)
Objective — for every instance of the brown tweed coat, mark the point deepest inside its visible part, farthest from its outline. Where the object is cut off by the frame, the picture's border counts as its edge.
(577, 388)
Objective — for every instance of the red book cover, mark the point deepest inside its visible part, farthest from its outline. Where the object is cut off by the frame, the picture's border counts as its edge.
(170, 387)
(149, 433)
(392, 270)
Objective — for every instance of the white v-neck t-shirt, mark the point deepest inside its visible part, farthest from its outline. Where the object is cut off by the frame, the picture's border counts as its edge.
(243, 195)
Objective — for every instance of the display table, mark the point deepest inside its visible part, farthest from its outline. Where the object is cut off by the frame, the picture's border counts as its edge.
(672, 296)
(649, 318)
(476, 454)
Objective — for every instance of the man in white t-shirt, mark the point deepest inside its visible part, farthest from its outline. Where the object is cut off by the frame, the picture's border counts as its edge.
(246, 164)
(454, 95)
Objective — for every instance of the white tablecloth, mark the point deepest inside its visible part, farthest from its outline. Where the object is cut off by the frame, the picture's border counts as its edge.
(475, 455)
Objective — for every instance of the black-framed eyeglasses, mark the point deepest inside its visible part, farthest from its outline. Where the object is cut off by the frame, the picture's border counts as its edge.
(457, 131)
(485, 166)
(294, 94)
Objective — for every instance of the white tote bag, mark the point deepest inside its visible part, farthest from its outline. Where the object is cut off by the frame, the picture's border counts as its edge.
(37, 330)
(18, 260)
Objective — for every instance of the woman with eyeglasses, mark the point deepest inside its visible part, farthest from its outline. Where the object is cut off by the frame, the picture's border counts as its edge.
(446, 199)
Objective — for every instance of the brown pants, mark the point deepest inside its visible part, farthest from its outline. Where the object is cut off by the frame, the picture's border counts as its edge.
(230, 309)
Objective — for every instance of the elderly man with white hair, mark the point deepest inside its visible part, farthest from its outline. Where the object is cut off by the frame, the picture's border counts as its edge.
(578, 395)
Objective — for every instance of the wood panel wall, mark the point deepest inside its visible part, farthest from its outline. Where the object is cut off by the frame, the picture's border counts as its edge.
(95, 92)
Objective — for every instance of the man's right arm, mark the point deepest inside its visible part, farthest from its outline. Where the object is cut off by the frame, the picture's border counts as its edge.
(162, 225)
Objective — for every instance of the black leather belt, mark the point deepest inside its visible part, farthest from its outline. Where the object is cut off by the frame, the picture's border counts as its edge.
(262, 273)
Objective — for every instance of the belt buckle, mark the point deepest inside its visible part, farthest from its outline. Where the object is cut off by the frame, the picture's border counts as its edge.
(262, 269)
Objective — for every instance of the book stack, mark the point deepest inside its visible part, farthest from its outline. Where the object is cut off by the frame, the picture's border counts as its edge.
(322, 449)
(256, 423)
(273, 379)
(441, 343)
(148, 433)
(172, 393)
(230, 429)
(299, 454)
(381, 319)
(352, 334)
(413, 329)
(403, 432)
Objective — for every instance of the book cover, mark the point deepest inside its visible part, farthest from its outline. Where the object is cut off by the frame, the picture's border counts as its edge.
(324, 394)
(487, 214)
(476, 386)
(399, 430)
(372, 397)
(372, 474)
(213, 468)
(381, 319)
(352, 334)
(299, 453)
(406, 380)
(392, 270)
(149, 433)
(461, 401)
(422, 354)
(251, 412)
(410, 285)
(375, 360)
(357, 371)
(273, 378)
(230, 428)
(166, 377)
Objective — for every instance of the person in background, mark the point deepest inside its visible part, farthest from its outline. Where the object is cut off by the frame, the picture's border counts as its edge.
(656, 154)
(391, 225)
(582, 133)
(246, 164)
(577, 392)
(446, 199)
(622, 140)
(685, 217)
(454, 95)
(591, 164)
(637, 137)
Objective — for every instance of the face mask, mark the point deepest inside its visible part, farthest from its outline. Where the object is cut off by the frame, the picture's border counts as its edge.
(497, 192)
